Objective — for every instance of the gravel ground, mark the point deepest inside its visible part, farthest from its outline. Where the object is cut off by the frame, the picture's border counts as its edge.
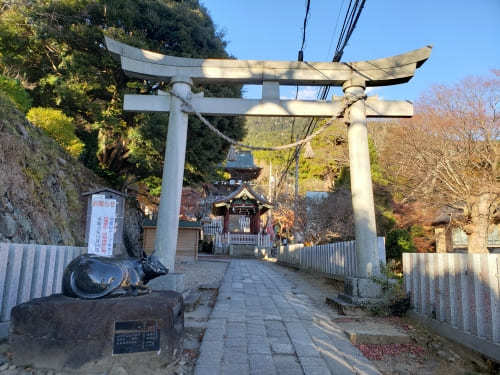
(428, 353)
(202, 272)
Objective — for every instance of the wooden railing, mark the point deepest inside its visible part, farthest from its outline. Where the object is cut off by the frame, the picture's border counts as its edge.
(212, 228)
(226, 239)
(242, 239)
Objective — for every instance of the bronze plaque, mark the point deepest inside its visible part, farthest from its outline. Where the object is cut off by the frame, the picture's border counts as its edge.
(136, 336)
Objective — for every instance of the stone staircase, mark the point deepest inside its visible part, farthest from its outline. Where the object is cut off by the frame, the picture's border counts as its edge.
(244, 251)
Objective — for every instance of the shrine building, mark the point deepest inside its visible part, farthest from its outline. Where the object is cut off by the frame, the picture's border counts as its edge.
(236, 209)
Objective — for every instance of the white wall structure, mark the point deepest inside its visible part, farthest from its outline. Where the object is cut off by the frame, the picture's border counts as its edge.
(29, 271)
(337, 259)
(458, 295)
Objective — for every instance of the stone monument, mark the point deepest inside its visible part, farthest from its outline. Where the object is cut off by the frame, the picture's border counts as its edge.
(100, 322)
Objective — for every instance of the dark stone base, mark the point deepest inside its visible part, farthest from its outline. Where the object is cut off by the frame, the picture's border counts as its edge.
(359, 294)
(77, 336)
(362, 288)
(345, 306)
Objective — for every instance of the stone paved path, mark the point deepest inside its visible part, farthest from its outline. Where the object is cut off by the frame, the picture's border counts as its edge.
(259, 325)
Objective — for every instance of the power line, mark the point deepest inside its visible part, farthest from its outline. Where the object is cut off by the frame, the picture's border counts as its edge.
(306, 18)
(351, 18)
(300, 57)
(335, 28)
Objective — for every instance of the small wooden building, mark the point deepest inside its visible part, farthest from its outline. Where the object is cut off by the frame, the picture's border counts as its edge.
(187, 239)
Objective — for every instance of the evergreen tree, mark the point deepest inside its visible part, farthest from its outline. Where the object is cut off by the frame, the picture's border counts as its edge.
(56, 48)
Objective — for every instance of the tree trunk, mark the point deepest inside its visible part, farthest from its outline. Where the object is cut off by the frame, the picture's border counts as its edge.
(478, 228)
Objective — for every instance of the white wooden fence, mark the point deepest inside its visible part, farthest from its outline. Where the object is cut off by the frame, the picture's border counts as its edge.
(460, 292)
(226, 239)
(212, 228)
(31, 271)
(333, 259)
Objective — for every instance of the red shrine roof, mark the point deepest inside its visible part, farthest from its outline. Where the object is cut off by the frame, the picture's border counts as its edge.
(245, 192)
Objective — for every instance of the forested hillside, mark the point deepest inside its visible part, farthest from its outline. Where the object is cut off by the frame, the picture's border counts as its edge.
(56, 50)
(317, 170)
(322, 167)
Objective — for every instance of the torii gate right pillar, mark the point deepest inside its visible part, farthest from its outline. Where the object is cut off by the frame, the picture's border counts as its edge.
(361, 183)
(368, 263)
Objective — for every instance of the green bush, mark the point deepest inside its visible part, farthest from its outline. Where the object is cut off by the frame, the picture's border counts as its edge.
(395, 301)
(398, 241)
(58, 126)
(16, 93)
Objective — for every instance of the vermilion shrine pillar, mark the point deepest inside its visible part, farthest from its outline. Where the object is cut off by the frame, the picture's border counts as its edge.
(255, 223)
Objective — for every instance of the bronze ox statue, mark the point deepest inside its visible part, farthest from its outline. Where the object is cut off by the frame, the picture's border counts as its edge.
(91, 276)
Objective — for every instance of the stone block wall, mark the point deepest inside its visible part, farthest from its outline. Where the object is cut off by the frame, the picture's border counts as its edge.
(29, 271)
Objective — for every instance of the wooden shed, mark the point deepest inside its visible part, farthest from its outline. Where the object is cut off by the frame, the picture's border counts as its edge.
(187, 239)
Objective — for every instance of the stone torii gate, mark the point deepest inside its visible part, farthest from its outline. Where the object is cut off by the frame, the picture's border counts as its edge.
(353, 77)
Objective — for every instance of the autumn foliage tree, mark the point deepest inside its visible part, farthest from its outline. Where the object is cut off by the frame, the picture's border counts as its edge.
(448, 154)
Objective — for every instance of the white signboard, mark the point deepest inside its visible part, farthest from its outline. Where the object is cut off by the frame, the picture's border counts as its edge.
(102, 226)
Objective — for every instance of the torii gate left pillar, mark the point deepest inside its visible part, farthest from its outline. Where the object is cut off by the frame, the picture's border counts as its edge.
(353, 77)
(167, 226)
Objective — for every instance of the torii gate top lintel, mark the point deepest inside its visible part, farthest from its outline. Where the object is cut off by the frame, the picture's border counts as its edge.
(180, 101)
(145, 64)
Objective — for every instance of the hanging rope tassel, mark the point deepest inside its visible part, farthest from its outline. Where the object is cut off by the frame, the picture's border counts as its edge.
(308, 152)
(231, 155)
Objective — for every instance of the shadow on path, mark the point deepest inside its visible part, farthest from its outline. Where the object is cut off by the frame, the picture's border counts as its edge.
(260, 325)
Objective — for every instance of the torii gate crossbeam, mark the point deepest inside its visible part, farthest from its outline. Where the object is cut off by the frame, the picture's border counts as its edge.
(353, 77)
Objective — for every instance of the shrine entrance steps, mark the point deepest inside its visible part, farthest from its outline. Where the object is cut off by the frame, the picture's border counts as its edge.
(261, 325)
(244, 251)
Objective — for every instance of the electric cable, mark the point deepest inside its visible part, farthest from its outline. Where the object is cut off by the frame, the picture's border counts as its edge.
(351, 18)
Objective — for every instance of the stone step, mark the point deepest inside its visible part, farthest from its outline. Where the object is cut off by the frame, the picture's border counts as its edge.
(374, 333)
(191, 300)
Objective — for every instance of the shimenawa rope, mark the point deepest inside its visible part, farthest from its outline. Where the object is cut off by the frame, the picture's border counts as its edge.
(348, 101)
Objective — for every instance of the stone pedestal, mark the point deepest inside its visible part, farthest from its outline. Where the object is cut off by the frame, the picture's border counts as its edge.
(358, 293)
(131, 335)
(361, 290)
(171, 281)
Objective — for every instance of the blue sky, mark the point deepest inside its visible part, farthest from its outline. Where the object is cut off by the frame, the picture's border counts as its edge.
(465, 35)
